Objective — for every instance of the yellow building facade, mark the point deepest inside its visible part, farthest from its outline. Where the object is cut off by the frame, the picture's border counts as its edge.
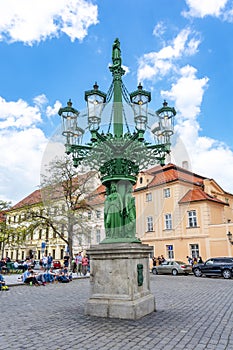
(183, 214)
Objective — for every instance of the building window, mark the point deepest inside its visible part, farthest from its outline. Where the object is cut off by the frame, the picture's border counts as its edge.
(141, 180)
(170, 251)
(47, 234)
(167, 192)
(31, 236)
(98, 236)
(89, 214)
(168, 221)
(149, 223)
(194, 250)
(54, 254)
(148, 197)
(40, 233)
(61, 254)
(98, 214)
(192, 218)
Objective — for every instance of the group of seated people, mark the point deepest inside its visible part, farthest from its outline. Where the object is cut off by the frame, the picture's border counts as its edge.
(22, 265)
(37, 279)
(17, 265)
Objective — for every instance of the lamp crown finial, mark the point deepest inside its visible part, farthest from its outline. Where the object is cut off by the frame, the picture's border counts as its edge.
(139, 86)
(96, 86)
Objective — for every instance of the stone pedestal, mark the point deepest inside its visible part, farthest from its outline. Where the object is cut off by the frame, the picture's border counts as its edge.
(120, 283)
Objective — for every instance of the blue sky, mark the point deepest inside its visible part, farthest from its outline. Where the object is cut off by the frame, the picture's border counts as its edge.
(51, 51)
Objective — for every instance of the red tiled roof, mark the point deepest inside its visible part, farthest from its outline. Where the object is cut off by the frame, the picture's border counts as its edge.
(170, 173)
(33, 198)
(198, 194)
(98, 196)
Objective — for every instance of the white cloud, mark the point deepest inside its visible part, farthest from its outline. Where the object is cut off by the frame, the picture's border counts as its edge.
(202, 8)
(18, 114)
(21, 161)
(40, 100)
(31, 21)
(24, 144)
(157, 64)
(159, 29)
(187, 92)
(205, 155)
(51, 111)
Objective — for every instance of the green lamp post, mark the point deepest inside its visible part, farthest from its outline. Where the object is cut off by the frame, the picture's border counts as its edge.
(118, 154)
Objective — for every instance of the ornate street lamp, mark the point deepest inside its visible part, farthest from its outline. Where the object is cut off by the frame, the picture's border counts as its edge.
(71, 131)
(119, 153)
(140, 99)
(95, 103)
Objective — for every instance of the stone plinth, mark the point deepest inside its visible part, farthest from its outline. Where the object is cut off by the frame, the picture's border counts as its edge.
(118, 289)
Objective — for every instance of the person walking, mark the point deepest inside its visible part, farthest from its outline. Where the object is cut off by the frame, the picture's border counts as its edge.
(45, 262)
(49, 262)
(66, 260)
(78, 260)
(84, 265)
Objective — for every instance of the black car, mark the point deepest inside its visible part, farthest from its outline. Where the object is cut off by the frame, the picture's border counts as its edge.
(215, 267)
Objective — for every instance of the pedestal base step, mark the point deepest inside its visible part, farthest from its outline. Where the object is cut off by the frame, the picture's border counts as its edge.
(123, 309)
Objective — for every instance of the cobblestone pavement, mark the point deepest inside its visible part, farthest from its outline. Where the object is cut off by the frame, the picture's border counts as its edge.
(192, 313)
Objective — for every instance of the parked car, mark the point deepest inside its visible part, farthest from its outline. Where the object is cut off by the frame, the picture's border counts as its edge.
(56, 264)
(172, 267)
(222, 267)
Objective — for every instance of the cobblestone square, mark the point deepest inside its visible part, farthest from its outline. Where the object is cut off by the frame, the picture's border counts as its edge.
(192, 313)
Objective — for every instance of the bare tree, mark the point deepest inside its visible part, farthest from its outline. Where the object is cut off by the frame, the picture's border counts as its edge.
(65, 202)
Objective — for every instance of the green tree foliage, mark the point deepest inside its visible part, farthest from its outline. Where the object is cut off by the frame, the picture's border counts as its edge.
(4, 205)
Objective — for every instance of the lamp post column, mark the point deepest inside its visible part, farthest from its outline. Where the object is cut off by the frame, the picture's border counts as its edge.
(117, 73)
